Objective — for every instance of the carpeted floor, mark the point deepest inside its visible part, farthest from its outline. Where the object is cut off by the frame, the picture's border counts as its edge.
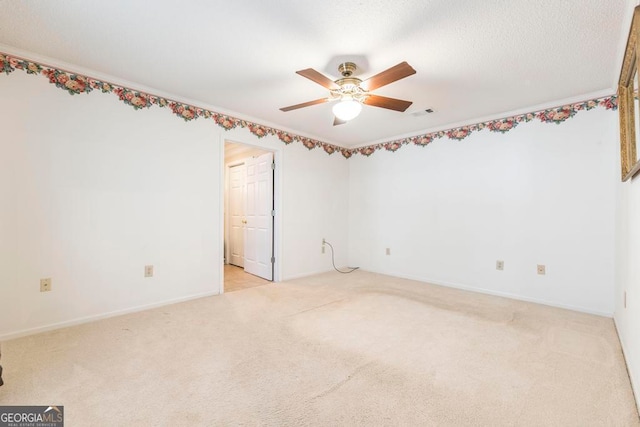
(330, 350)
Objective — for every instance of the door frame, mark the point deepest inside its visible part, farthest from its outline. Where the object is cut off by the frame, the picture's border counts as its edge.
(277, 202)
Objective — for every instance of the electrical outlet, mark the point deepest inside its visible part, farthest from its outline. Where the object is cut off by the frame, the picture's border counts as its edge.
(542, 270)
(323, 242)
(45, 285)
(499, 265)
(388, 251)
(322, 248)
(148, 271)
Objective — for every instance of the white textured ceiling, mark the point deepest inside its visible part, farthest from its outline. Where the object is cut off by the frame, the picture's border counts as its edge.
(474, 59)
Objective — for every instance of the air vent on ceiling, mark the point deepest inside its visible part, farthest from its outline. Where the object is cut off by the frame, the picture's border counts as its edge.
(422, 112)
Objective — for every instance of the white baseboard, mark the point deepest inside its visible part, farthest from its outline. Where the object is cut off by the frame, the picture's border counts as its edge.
(497, 293)
(92, 318)
(77, 321)
(634, 389)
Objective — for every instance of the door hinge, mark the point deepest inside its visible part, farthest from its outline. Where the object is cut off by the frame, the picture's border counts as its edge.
(273, 165)
(273, 260)
(273, 213)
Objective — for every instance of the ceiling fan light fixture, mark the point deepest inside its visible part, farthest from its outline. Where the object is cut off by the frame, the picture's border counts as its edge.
(347, 109)
(351, 92)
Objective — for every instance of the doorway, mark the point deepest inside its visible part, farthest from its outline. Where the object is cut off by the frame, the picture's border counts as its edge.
(249, 214)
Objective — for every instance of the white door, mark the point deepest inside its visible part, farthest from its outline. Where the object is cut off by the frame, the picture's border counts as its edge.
(258, 236)
(236, 215)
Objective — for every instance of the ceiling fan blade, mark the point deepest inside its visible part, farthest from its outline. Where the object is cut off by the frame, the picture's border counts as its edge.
(319, 78)
(388, 103)
(391, 75)
(305, 104)
(337, 121)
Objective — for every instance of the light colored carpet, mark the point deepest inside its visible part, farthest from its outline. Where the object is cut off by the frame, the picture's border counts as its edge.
(330, 350)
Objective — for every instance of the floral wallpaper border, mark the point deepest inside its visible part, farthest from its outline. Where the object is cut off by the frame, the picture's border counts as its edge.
(552, 115)
(76, 84)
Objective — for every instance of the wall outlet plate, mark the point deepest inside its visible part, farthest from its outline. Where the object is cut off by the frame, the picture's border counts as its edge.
(542, 270)
(45, 285)
(500, 265)
(148, 271)
(388, 251)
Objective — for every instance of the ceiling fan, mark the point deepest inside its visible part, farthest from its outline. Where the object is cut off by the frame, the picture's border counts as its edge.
(353, 92)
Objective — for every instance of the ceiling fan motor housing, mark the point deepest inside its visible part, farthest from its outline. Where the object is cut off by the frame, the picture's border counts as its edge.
(347, 69)
(349, 86)
(349, 89)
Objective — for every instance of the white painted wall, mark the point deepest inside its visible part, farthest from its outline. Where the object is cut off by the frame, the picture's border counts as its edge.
(540, 194)
(628, 277)
(92, 190)
(316, 206)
